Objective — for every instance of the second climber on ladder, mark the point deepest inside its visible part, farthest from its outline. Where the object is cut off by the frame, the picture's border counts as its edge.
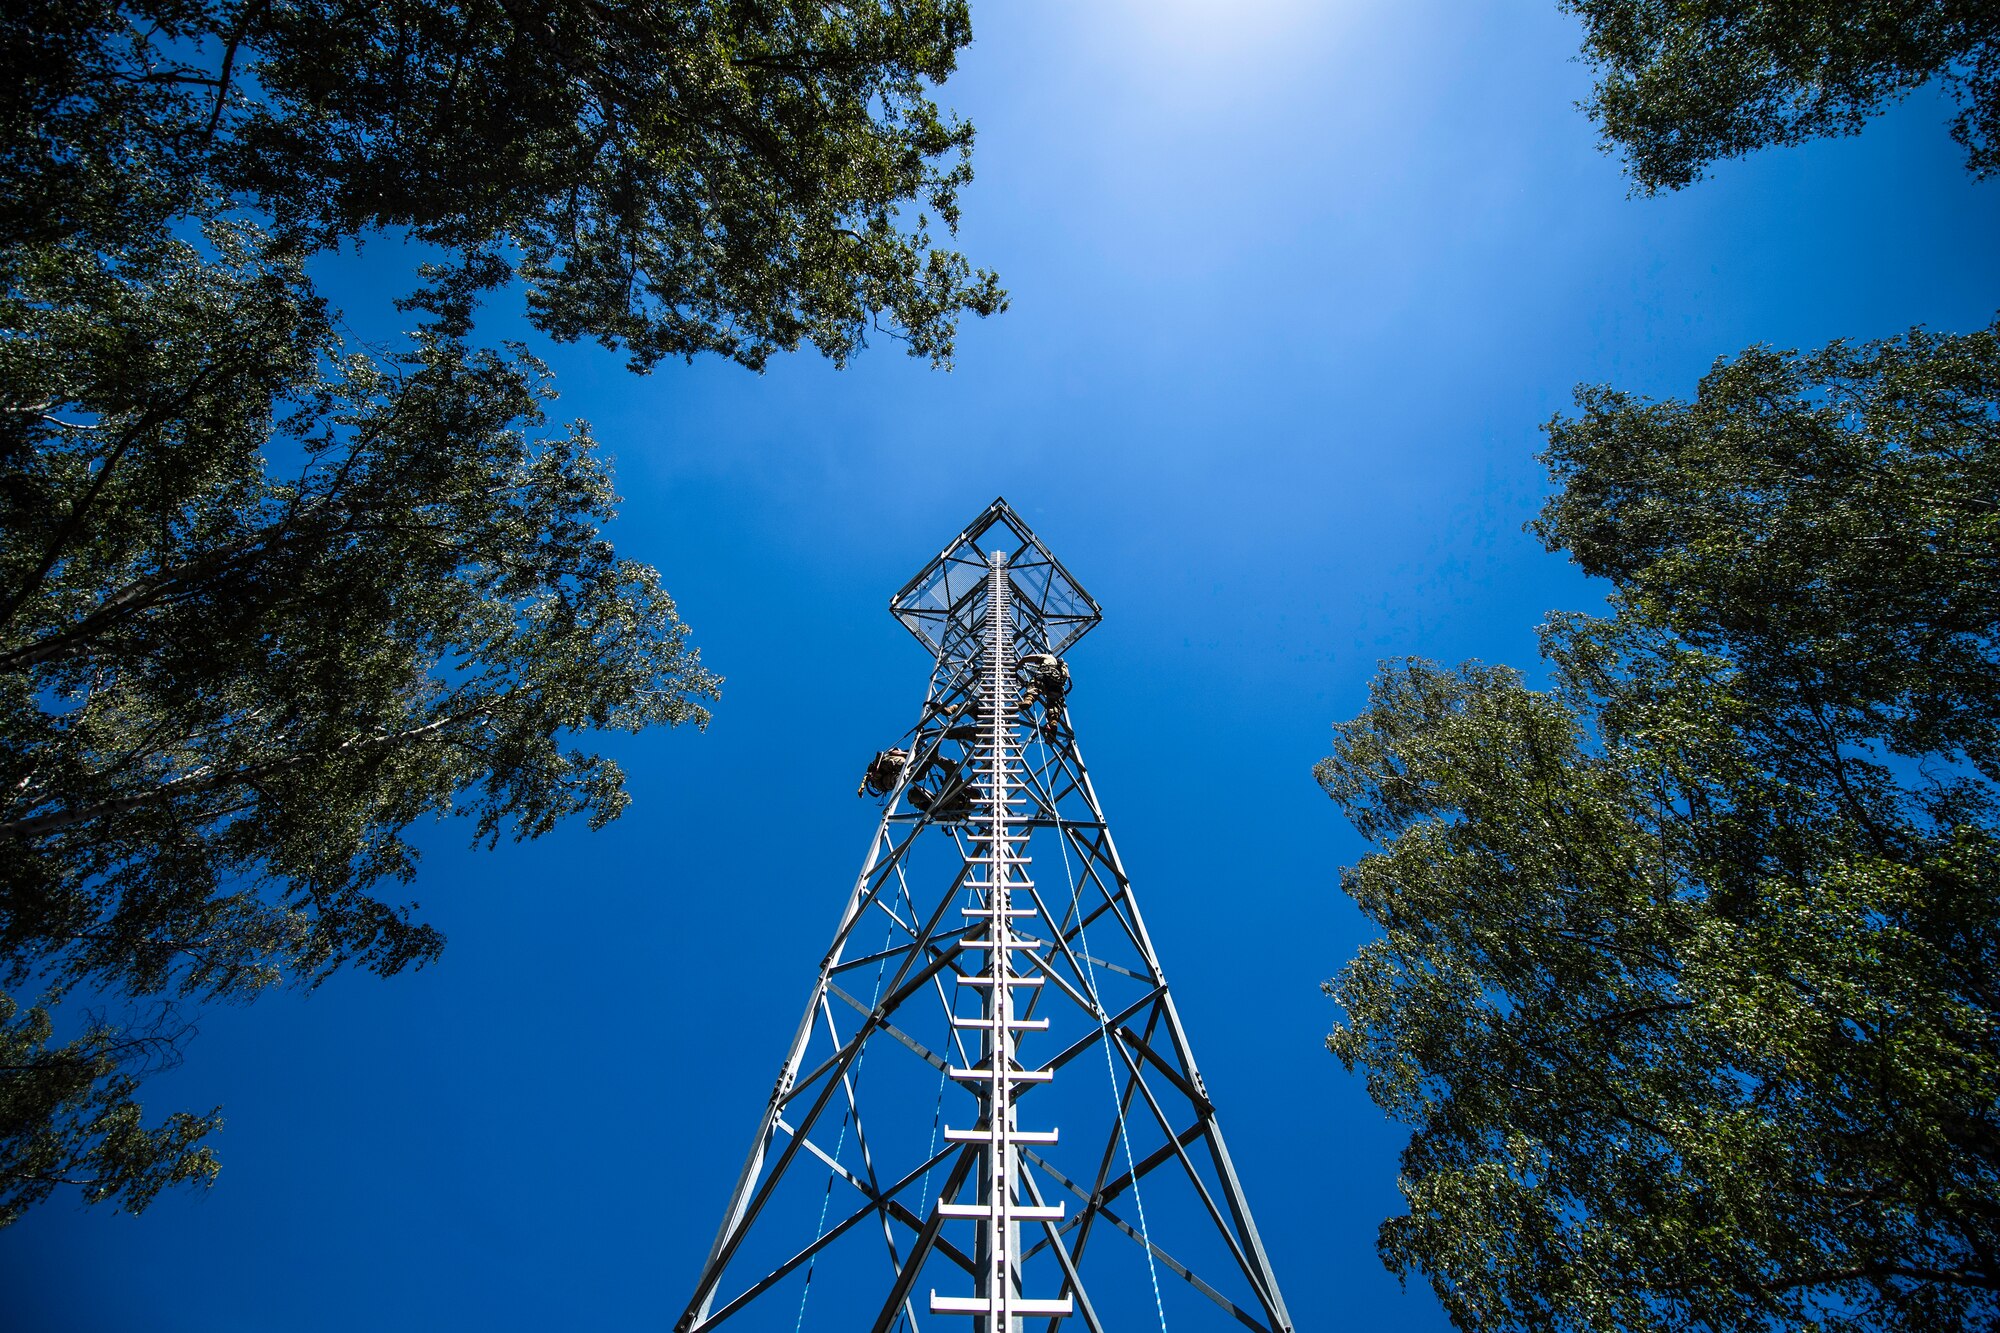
(949, 802)
(884, 771)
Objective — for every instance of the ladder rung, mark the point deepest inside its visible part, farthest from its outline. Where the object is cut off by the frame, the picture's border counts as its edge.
(985, 1075)
(1013, 1135)
(988, 981)
(1011, 944)
(1020, 1212)
(1012, 1025)
(987, 911)
(980, 1305)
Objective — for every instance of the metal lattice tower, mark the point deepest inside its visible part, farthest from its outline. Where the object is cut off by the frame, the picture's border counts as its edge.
(994, 999)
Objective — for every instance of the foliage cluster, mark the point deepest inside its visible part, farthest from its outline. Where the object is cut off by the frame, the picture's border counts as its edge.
(678, 178)
(267, 598)
(1687, 977)
(1688, 83)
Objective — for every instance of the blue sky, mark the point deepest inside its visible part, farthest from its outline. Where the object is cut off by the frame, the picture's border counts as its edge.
(1293, 288)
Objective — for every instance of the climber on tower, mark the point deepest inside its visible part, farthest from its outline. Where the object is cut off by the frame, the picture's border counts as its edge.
(884, 771)
(1045, 680)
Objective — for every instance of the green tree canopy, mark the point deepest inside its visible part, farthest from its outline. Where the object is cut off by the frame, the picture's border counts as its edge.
(678, 177)
(1683, 84)
(232, 685)
(1689, 981)
(70, 1116)
(266, 599)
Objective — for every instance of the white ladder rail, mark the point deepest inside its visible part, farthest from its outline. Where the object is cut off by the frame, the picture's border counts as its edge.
(999, 1300)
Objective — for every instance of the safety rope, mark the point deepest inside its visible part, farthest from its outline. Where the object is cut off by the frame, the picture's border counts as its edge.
(840, 1143)
(1104, 1031)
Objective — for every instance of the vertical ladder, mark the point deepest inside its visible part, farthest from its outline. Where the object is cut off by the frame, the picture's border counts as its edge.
(998, 1301)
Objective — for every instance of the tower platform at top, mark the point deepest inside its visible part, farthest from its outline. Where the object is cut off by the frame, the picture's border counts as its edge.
(945, 604)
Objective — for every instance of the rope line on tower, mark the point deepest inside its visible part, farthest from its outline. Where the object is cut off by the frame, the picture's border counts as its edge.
(840, 1143)
(1110, 1065)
